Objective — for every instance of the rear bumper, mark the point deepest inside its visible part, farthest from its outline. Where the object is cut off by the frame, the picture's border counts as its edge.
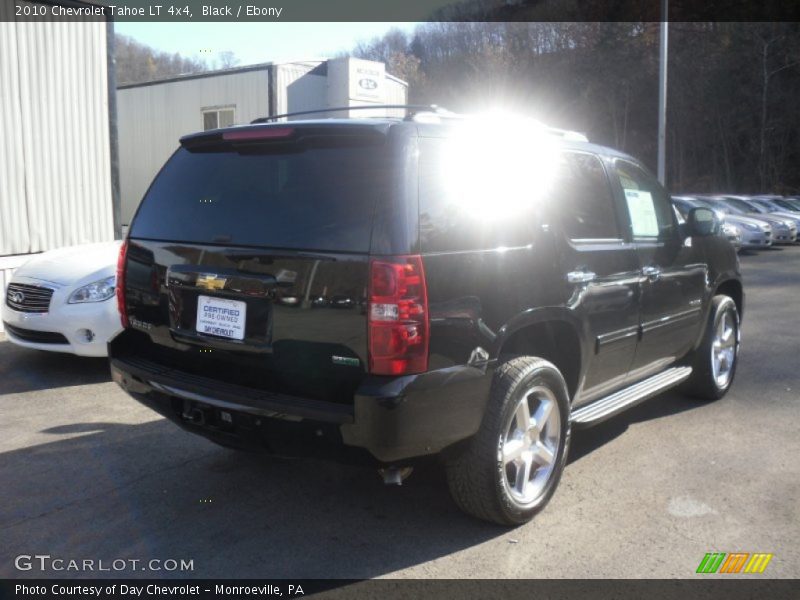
(390, 420)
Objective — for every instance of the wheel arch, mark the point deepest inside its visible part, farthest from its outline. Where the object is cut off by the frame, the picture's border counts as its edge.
(552, 334)
(729, 286)
(734, 289)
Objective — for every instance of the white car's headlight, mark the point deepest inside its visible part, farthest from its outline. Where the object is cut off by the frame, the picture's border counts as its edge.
(97, 291)
(729, 229)
(750, 226)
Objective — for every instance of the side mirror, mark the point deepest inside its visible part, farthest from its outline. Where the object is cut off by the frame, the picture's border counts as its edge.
(702, 221)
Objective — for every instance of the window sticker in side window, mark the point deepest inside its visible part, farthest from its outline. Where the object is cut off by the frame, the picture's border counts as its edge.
(643, 213)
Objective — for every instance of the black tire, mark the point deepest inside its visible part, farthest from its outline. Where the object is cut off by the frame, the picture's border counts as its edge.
(702, 383)
(475, 471)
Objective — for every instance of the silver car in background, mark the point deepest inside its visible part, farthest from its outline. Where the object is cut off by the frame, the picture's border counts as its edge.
(756, 234)
(770, 205)
(727, 230)
(788, 203)
(732, 233)
(784, 231)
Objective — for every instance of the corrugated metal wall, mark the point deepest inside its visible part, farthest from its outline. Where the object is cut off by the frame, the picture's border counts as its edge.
(14, 233)
(396, 91)
(152, 118)
(296, 90)
(55, 188)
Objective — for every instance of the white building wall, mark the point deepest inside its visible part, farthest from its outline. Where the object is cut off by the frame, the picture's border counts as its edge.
(152, 118)
(55, 153)
(14, 231)
(55, 187)
(396, 92)
(299, 88)
(358, 82)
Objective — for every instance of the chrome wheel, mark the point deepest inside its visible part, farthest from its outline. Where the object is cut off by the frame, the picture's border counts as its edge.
(723, 349)
(530, 445)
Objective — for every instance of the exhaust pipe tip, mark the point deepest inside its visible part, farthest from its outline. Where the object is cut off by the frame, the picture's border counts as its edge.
(395, 475)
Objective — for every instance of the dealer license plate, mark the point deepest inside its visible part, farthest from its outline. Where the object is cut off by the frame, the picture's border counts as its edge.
(221, 317)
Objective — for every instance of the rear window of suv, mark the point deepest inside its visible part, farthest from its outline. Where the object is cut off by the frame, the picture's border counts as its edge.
(317, 198)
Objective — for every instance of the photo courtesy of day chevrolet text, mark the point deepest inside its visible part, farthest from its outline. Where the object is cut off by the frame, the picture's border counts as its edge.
(157, 590)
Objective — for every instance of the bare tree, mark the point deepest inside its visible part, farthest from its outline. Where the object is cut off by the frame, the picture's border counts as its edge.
(137, 62)
(766, 43)
(226, 60)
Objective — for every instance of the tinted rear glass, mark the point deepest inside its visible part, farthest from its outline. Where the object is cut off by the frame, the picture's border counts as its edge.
(313, 198)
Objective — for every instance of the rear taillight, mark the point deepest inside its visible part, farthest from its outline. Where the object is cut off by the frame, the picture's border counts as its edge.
(398, 316)
(120, 284)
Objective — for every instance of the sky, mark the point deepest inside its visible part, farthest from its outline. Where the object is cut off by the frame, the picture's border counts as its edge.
(255, 42)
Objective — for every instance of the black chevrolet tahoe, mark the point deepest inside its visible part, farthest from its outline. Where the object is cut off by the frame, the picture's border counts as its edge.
(488, 285)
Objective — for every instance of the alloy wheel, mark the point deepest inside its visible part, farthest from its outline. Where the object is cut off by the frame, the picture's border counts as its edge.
(723, 349)
(530, 445)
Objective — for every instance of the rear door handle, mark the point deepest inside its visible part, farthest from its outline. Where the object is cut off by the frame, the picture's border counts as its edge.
(652, 273)
(581, 276)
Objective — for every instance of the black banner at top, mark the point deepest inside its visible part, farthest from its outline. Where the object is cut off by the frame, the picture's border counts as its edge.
(403, 11)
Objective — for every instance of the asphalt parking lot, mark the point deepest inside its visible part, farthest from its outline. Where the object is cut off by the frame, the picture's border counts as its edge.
(87, 473)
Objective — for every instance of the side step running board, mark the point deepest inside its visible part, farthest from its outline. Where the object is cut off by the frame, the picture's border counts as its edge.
(607, 407)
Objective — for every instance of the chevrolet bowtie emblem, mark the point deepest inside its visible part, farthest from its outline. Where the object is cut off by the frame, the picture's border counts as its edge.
(210, 282)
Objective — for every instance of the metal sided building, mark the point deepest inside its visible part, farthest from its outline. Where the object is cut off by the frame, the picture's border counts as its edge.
(154, 115)
(56, 98)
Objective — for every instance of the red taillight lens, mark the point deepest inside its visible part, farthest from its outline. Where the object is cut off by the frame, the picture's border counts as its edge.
(120, 284)
(398, 316)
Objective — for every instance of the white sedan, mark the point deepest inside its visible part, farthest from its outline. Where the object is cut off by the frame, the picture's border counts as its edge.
(63, 300)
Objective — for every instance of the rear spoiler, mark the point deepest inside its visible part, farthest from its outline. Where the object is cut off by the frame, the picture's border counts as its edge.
(281, 133)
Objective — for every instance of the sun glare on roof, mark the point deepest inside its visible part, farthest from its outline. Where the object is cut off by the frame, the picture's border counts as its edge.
(499, 165)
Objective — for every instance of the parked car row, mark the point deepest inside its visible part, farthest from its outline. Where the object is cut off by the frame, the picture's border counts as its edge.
(749, 222)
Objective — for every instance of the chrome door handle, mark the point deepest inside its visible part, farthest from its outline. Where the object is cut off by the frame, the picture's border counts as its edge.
(580, 276)
(652, 273)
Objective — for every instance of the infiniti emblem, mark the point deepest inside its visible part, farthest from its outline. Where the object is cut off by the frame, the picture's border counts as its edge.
(17, 297)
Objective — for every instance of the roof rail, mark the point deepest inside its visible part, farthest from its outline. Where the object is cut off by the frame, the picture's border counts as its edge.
(423, 111)
(411, 110)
